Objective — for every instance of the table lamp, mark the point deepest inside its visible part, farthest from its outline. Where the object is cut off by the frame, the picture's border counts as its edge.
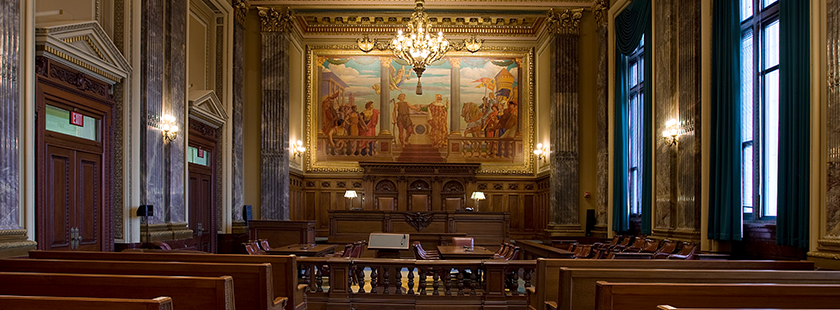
(477, 196)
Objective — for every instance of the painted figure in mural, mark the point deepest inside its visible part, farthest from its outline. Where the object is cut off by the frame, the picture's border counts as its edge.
(339, 147)
(402, 117)
(473, 116)
(438, 130)
(510, 120)
(329, 113)
(354, 123)
(491, 123)
(370, 118)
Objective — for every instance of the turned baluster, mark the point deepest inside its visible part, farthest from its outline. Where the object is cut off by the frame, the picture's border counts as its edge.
(398, 280)
(411, 280)
(422, 288)
(473, 283)
(360, 277)
(461, 281)
(514, 282)
(319, 278)
(436, 277)
(447, 283)
(374, 279)
(386, 277)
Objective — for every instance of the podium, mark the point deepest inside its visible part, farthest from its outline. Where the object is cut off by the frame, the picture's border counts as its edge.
(388, 245)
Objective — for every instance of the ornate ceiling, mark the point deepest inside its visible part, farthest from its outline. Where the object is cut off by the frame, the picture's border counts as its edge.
(499, 18)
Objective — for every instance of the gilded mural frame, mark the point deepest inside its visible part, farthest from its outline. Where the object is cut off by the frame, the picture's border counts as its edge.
(526, 167)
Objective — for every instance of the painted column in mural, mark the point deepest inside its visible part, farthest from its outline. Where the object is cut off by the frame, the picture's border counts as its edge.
(384, 96)
(455, 95)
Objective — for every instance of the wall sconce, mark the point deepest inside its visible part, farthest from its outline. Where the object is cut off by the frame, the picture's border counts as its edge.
(298, 149)
(671, 132)
(540, 151)
(477, 196)
(169, 127)
(350, 194)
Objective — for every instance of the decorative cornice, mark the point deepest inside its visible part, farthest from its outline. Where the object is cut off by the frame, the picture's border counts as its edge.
(319, 23)
(272, 20)
(600, 9)
(240, 8)
(565, 22)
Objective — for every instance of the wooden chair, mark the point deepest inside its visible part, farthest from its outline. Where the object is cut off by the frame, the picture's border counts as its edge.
(687, 251)
(651, 245)
(513, 254)
(636, 246)
(463, 241)
(263, 243)
(583, 251)
(253, 248)
(421, 254)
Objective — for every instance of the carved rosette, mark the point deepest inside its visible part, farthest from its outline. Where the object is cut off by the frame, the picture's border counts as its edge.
(565, 22)
(600, 9)
(240, 8)
(272, 20)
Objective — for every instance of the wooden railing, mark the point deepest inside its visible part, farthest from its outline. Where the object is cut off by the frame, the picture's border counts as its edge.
(354, 283)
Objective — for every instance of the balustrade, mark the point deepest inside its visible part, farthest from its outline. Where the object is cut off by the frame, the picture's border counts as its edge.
(368, 280)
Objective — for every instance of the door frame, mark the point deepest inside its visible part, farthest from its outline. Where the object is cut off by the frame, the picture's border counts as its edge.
(71, 89)
(200, 136)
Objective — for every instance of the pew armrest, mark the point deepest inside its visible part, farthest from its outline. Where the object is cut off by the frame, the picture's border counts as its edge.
(625, 255)
(531, 292)
(280, 303)
(300, 296)
(550, 305)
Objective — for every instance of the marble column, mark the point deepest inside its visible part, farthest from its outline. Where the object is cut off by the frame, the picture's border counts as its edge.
(600, 10)
(241, 10)
(564, 154)
(455, 96)
(384, 96)
(151, 109)
(10, 109)
(690, 114)
(829, 239)
(176, 80)
(666, 107)
(274, 178)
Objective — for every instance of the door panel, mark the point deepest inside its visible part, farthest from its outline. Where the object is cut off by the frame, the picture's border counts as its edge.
(201, 207)
(59, 173)
(89, 189)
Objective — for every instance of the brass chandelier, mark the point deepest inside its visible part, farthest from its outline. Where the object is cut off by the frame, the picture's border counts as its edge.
(417, 46)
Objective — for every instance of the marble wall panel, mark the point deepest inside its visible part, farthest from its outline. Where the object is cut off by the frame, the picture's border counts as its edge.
(688, 198)
(833, 119)
(564, 135)
(119, 134)
(10, 106)
(176, 72)
(603, 129)
(274, 178)
(151, 109)
(665, 108)
(238, 138)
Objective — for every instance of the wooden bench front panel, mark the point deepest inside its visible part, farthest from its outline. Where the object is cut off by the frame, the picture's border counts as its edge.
(547, 284)
(252, 282)
(577, 286)
(627, 296)
(283, 267)
(10, 302)
(188, 293)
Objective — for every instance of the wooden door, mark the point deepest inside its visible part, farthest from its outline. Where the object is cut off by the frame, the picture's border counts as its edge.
(201, 207)
(73, 180)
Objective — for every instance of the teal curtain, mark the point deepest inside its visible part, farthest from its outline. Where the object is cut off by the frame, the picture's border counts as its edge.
(792, 220)
(725, 214)
(630, 25)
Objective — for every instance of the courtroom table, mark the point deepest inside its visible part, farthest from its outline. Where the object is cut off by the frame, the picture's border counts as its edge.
(459, 252)
(304, 250)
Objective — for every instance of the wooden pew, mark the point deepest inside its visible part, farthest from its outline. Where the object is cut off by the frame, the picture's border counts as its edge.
(547, 270)
(577, 285)
(283, 267)
(669, 307)
(14, 302)
(252, 283)
(618, 296)
(187, 293)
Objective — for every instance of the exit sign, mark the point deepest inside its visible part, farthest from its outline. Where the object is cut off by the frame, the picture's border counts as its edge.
(200, 153)
(77, 119)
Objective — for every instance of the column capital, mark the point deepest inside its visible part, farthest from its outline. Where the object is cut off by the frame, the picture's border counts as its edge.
(565, 22)
(385, 60)
(272, 20)
(600, 9)
(455, 62)
(240, 8)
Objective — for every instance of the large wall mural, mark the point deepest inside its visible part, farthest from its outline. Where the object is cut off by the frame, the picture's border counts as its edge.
(364, 108)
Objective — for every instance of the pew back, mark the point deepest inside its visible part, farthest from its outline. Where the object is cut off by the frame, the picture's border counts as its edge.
(577, 286)
(252, 282)
(187, 293)
(547, 269)
(283, 267)
(619, 296)
(13, 302)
